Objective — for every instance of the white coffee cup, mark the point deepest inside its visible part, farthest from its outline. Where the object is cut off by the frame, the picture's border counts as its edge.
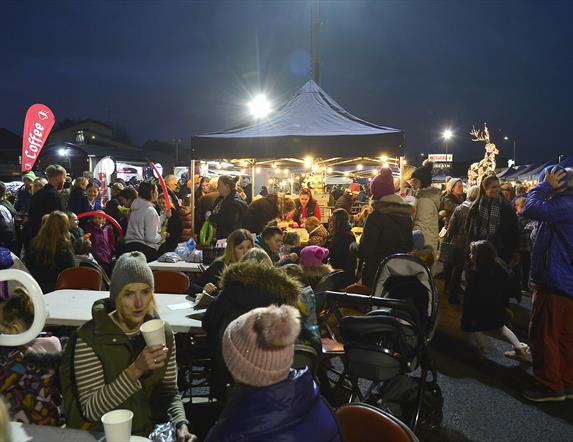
(153, 332)
(117, 425)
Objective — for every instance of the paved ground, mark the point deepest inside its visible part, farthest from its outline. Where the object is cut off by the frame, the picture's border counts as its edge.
(482, 397)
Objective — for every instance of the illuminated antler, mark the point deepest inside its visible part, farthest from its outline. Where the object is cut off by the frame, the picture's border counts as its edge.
(480, 135)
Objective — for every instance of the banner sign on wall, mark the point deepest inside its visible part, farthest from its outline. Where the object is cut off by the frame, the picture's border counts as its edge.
(441, 157)
(37, 126)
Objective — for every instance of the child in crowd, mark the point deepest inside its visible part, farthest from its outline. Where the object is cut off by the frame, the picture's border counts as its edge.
(83, 257)
(171, 225)
(306, 304)
(102, 239)
(29, 388)
(76, 232)
(317, 234)
(271, 401)
(311, 259)
(484, 300)
(291, 241)
(340, 244)
(525, 228)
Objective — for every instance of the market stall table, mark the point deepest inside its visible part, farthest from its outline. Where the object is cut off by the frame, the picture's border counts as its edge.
(181, 266)
(74, 308)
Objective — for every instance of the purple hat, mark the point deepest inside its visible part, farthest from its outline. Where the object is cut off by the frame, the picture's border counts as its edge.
(313, 255)
(382, 184)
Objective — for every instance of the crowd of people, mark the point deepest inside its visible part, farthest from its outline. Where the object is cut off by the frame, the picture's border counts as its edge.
(489, 242)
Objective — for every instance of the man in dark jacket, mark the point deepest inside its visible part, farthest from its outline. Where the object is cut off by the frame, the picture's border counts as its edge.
(47, 199)
(551, 327)
(24, 193)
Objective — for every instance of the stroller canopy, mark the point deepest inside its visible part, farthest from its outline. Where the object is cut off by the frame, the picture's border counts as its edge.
(403, 265)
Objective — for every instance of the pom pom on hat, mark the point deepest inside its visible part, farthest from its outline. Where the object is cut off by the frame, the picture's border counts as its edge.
(424, 173)
(382, 184)
(258, 347)
(313, 255)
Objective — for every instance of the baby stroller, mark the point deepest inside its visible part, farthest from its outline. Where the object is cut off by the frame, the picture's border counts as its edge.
(392, 340)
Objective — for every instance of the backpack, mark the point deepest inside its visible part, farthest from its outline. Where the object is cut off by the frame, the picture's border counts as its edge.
(68, 387)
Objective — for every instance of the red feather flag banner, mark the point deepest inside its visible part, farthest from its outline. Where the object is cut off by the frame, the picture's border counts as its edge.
(39, 122)
(163, 186)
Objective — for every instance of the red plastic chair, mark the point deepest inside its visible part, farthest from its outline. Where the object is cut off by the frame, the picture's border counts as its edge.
(79, 278)
(171, 282)
(364, 423)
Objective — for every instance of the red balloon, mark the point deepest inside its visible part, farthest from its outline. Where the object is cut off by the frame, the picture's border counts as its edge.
(106, 216)
(163, 186)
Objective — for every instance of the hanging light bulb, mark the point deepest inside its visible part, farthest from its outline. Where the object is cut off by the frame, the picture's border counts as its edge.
(329, 170)
(359, 166)
(258, 170)
(307, 162)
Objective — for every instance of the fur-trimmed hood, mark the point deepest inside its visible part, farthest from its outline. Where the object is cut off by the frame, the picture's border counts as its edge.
(392, 205)
(252, 276)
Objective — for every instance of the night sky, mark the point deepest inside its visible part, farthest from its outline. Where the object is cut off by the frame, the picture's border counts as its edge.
(167, 70)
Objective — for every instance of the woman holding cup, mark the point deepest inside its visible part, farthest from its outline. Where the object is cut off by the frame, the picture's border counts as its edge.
(114, 368)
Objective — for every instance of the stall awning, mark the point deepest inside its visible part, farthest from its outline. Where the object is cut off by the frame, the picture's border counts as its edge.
(532, 174)
(311, 123)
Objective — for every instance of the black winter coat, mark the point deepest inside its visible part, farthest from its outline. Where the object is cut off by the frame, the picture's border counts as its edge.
(506, 239)
(340, 256)
(388, 230)
(260, 212)
(78, 202)
(228, 214)
(43, 202)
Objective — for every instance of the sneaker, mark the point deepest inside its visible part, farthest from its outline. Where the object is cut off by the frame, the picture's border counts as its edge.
(520, 353)
(540, 393)
(568, 391)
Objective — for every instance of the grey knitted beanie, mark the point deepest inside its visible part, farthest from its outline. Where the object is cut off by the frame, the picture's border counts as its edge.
(130, 267)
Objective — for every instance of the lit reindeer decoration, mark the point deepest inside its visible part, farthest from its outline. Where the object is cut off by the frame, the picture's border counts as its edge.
(487, 165)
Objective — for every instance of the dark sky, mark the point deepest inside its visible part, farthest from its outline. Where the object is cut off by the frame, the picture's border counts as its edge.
(173, 69)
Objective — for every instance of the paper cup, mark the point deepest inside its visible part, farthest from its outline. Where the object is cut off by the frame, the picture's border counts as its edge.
(153, 332)
(117, 425)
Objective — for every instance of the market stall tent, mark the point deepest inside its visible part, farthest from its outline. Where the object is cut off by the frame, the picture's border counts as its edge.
(310, 124)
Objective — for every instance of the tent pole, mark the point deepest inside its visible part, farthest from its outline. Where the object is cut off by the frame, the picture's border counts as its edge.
(253, 179)
(192, 178)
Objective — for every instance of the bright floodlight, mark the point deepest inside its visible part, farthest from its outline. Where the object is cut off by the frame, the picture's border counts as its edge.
(259, 106)
(359, 166)
(62, 152)
(447, 134)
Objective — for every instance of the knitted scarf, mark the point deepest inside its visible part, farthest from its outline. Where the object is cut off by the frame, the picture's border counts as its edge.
(489, 210)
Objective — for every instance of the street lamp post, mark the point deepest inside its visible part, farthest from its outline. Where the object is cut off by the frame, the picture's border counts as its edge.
(446, 135)
(514, 144)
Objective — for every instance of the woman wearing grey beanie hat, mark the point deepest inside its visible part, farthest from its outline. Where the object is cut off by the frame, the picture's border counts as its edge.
(112, 366)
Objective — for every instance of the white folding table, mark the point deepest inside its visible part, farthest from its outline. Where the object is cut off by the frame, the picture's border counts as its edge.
(181, 266)
(74, 308)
